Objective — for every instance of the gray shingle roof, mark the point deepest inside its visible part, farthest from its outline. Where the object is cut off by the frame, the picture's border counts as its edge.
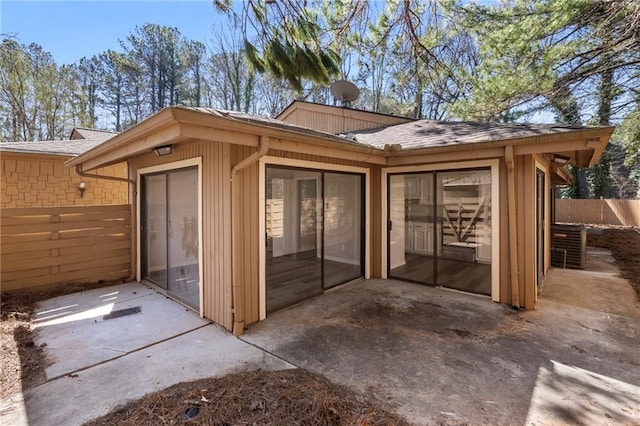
(431, 133)
(277, 124)
(94, 134)
(69, 147)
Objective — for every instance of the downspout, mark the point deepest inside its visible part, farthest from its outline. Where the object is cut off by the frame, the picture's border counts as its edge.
(513, 236)
(237, 290)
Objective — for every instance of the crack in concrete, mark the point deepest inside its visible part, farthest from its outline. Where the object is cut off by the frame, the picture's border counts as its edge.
(122, 354)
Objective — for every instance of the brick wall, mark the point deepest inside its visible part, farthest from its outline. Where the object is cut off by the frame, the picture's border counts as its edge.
(34, 180)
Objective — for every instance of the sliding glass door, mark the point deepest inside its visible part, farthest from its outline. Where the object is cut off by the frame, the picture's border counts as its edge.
(343, 236)
(440, 229)
(464, 206)
(170, 242)
(314, 232)
(293, 218)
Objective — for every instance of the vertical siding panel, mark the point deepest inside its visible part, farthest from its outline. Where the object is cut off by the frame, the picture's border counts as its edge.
(248, 222)
(333, 121)
(256, 241)
(214, 236)
(529, 242)
(209, 231)
(225, 170)
(216, 279)
(217, 240)
(376, 222)
(505, 278)
(520, 197)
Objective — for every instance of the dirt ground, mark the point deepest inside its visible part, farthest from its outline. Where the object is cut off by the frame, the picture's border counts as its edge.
(624, 244)
(249, 398)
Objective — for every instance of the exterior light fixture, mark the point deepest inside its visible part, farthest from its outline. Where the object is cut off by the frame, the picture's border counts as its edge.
(82, 186)
(163, 150)
(561, 160)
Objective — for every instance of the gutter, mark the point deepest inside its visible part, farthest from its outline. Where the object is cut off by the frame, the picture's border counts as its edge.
(237, 289)
(79, 172)
(513, 240)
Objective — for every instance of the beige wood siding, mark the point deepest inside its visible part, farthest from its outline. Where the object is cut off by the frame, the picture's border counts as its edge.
(38, 180)
(609, 212)
(216, 217)
(376, 225)
(47, 246)
(339, 120)
(245, 223)
(526, 223)
(505, 278)
(529, 242)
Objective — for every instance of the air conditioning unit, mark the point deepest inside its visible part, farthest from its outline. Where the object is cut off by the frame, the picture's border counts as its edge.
(569, 246)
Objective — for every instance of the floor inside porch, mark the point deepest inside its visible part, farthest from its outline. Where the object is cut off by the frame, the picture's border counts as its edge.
(296, 277)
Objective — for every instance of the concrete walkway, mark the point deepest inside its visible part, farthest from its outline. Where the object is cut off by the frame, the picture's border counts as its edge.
(100, 360)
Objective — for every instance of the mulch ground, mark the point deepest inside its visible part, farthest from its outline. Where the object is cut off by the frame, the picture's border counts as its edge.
(255, 398)
(264, 398)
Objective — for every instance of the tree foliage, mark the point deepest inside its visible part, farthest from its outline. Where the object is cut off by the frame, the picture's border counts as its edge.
(35, 93)
(571, 61)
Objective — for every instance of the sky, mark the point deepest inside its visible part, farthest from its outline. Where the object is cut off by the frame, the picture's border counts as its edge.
(70, 30)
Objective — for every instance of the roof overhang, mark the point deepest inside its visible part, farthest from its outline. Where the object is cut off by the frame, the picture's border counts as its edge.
(583, 148)
(34, 155)
(177, 125)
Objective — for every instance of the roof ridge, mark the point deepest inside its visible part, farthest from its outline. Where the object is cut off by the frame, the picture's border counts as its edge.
(93, 130)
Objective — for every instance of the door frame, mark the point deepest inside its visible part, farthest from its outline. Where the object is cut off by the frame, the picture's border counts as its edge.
(304, 164)
(494, 165)
(191, 162)
(540, 164)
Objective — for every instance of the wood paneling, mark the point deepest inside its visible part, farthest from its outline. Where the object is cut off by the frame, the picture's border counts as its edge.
(376, 225)
(505, 262)
(57, 245)
(216, 218)
(606, 212)
(335, 120)
(245, 222)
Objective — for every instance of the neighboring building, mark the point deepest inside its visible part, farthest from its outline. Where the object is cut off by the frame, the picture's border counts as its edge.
(336, 120)
(33, 174)
(239, 216)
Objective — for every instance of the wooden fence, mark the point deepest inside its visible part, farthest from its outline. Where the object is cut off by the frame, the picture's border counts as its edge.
(56, 245)
(607, 212)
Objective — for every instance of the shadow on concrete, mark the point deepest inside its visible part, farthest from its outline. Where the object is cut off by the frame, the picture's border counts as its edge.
(109, 346)
(445, 357)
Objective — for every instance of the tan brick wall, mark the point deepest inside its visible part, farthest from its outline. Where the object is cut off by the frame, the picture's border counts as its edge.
(34, 180)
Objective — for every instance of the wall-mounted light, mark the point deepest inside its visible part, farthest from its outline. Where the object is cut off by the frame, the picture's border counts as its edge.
(561, 160)
(82, 186)
(163, 150)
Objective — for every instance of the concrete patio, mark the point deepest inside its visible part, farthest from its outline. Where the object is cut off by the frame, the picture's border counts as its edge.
(437, 356)
(443, 357)
(112, 345)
